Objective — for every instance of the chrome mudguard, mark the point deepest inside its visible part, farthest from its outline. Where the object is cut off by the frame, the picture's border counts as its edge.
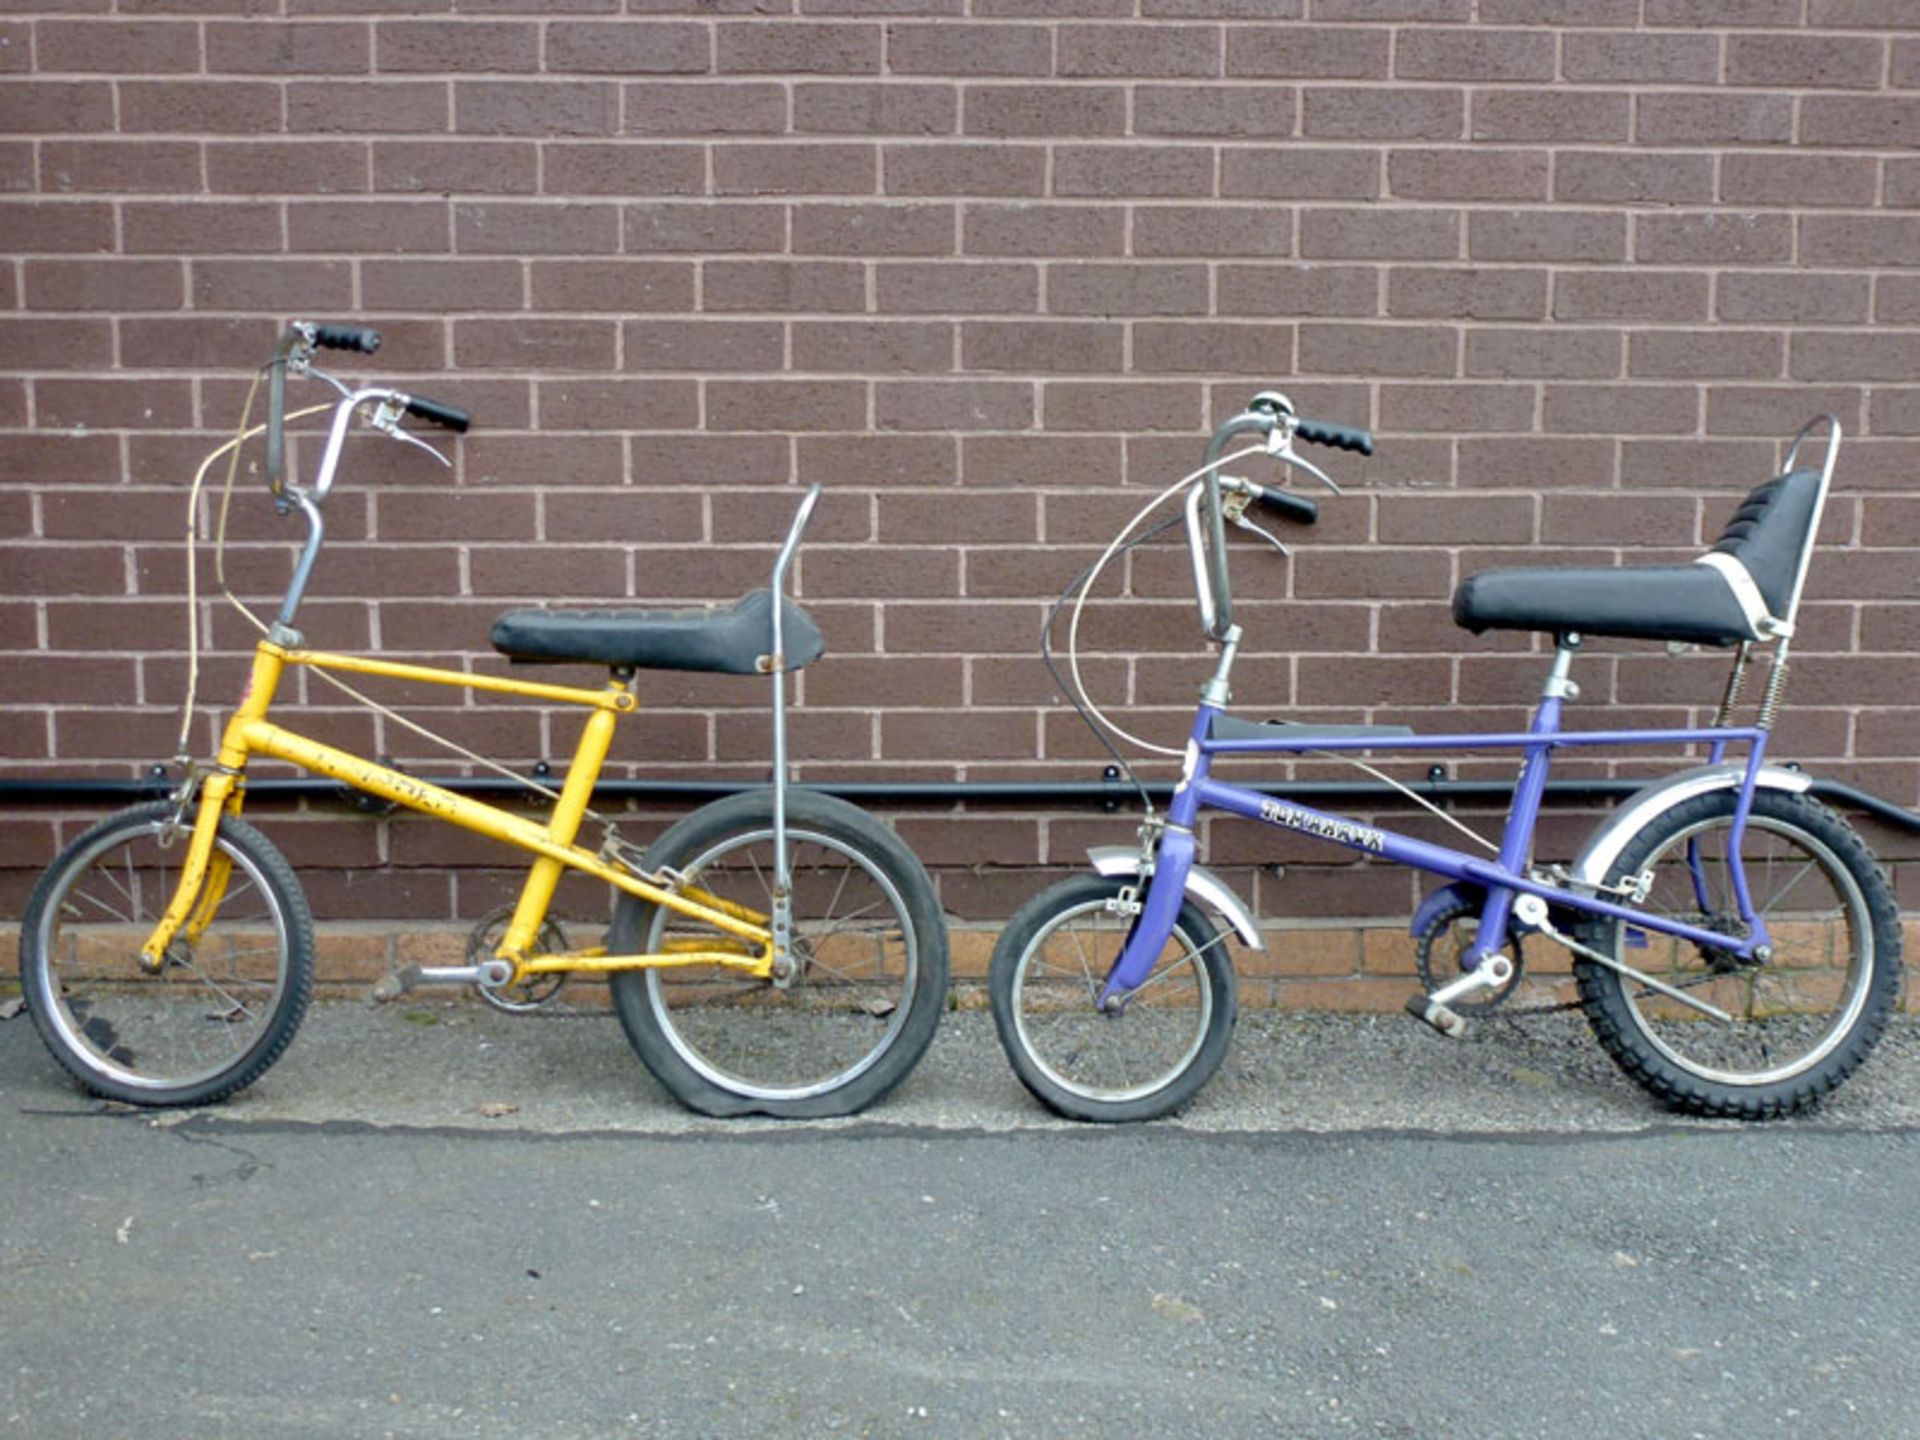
(1603, 847)
(1202, 885)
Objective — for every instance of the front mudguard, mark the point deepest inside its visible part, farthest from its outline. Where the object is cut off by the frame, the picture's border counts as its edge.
(1202, 885)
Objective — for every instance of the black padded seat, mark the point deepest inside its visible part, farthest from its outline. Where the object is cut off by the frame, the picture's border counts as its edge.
(726, 639)
(1231, 727)
(1695, 603)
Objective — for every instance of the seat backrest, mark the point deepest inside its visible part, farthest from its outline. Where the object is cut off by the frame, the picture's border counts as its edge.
(1769, 535)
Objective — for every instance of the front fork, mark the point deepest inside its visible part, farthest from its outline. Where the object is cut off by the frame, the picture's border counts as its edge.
(205, 871)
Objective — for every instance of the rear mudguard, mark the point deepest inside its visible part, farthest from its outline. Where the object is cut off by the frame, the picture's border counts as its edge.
(1604, 846)
(1202, 885)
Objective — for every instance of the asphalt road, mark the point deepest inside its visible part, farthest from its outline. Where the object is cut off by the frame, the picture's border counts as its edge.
(1495, 1239)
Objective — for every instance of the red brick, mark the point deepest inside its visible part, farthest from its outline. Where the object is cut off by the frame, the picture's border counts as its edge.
(1478, 55)
(394, 227)
(208, 227)
(786, 405)
(1339, 113)
(1036, 111)
(1095, 289)
(1455, 409)
(676, 108)
(1477, 174)
(513, 228)
(623, 169)
(1378, 350)
(703, 227)
(1045, 230)
(458, 47)
(626, 47)
(456, 167)
(861, 107)
(58, 344)
(1720, 237)
(596, 404)
(1621, 410)
(442, 284)
(628, 286)
(1746, 13)
(1629, 178)
(531, 107)
(1179, 230)
(1010, 460)
(261, 47)
(788, 47)
(1768, 410)
(1544, 352)
(231, 107)
(55, 107)
(103, 285)
(1214, 112)
(1173, 347)
(875, 461)
(703, 345)
(874, 229)
(1466, 294)
(1028, 346)
(1107, 405)
(783, 285)
(1873, 240)
(1771, 295)
(1636, 294)
(1700, 119)
(1850, 355)
(1132, 49)
(1558, 115)
(1806, 62)
(117, 47)
(798, 169)
(1308, 52)
(958, 169)
(534, 344)
(1556, 235)
(873, 347)
(119, 166)
(1143, 171)
(939, 49)
(1707, 354)
(325, 286)
(1298, 173)
(1641, 59)
(935, 288)
(296, 167)
(1869, 14)
(953, 405)
(385, 107)
(1527, 462)
(1362, 234)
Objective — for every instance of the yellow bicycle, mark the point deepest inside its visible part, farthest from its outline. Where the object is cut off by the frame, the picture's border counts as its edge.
(777, 951)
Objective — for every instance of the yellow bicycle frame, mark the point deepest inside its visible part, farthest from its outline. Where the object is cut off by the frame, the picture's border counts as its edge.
(204, 872)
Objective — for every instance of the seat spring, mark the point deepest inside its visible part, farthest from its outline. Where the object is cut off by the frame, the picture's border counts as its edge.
(1776, 691)
(1736, 682)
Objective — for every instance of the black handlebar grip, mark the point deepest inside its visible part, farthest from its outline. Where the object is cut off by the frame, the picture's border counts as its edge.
(1340, 437)
(346, 337)
(1294, 507)
(435, 413)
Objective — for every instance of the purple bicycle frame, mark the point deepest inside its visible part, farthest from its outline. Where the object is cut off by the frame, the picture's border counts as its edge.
(1503, 879)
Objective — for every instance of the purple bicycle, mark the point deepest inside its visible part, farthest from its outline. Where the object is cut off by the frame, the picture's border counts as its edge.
(1735, 943)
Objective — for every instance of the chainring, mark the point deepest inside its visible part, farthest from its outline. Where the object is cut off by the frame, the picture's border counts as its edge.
(1440, 947)
(536, 990)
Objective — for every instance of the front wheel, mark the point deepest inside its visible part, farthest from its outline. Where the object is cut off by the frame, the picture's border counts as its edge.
(226, 1000)
(1139, 1063)
(1802, 1019)
(870, 953)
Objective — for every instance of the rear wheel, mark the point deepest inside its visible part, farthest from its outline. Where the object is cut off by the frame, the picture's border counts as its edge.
(1802, 1020)
(1141, 1062)
(870, 953)
(223, 1005)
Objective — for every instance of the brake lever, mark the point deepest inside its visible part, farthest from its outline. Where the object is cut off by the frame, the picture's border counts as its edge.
(1280, 447)
(1233, 507)
(386, 419)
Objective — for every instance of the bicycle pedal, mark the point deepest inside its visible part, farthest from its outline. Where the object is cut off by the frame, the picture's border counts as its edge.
(391, 987)
(1425, 1008)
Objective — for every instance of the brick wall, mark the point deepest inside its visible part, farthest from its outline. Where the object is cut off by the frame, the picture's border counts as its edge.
(987, 269)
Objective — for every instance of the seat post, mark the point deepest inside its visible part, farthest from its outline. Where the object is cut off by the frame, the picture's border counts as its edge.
(1559, 686)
